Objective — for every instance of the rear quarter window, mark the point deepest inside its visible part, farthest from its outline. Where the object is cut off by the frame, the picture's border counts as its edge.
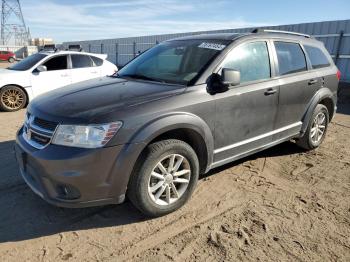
(291, 58)
(81, 61)
(317, 57)
(97, 61)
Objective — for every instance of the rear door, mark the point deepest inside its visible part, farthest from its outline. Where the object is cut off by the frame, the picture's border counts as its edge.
(297, 86)
(57, 75)
(83, 68)
(245, 114)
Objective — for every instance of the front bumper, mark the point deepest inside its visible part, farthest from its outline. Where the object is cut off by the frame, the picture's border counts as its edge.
(74, 177)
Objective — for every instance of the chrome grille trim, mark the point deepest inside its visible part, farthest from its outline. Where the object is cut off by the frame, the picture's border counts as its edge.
(29, 126)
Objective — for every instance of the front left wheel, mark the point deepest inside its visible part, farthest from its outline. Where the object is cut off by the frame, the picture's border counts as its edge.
(164, 178)
(12, 98)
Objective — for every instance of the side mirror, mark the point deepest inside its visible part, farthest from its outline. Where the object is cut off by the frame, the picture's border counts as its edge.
(230, 77)
(41, 68)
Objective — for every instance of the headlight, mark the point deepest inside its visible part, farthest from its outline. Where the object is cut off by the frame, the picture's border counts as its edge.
(91, 136)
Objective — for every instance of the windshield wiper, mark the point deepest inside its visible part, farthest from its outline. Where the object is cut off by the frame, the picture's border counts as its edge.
(143, 77)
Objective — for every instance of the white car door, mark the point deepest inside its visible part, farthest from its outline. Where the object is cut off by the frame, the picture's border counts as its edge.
(57, 75)
(83, 68)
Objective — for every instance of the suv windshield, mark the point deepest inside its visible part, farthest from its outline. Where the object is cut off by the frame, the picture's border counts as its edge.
(177, 62)
(28, 62)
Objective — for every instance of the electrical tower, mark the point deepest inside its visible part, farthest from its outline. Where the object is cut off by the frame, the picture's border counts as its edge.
(13, 27)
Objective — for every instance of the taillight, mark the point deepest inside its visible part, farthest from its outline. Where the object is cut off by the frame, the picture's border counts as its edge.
(338, 75)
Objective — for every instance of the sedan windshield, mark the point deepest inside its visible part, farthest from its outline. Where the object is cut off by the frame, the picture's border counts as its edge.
(28, 62)
(177, 62)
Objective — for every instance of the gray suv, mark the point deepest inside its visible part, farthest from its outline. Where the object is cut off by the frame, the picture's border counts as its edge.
(176, 111)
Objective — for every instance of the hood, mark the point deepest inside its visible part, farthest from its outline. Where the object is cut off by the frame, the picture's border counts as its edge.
(92, 99)
(6, 72)
(13, 77)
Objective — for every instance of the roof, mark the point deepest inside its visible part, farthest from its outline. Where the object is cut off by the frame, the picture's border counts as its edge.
(234, 36)
(219, 36)
(67, 52)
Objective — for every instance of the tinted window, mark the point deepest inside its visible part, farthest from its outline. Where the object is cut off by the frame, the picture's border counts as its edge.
(174, 61)
(291, 58)
(97, 61)
(81, 61)
(28, 62)
(252, 60)
(317, 57)
(56, 63)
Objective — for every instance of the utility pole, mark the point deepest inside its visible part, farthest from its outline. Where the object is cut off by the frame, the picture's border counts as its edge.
(13, 27)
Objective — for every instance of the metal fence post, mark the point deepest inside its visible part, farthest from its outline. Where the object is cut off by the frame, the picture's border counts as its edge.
(116, 54)
(89, 48)
(134, 49)
(337, 51)
(101, 48)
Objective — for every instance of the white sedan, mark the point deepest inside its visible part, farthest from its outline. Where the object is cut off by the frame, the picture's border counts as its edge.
(46, 71)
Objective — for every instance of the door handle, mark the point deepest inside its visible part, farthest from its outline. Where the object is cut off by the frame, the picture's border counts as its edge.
(312, 82)
(270, 91)
(94, 72)
(64, 75)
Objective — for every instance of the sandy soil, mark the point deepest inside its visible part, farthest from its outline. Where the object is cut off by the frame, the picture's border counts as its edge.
(282, 204)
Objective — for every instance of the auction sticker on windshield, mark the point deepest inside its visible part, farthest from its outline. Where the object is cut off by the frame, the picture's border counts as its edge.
(212, 46)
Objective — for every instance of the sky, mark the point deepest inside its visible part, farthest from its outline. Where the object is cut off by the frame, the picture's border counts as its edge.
(65, 20)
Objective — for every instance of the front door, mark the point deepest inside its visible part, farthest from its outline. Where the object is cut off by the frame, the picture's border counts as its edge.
(57, 75)
(245, 114)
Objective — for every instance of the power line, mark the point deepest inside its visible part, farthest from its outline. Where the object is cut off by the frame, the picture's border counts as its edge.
(13, 27)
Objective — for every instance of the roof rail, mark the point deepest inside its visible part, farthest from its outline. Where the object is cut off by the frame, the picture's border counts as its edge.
(258, 30)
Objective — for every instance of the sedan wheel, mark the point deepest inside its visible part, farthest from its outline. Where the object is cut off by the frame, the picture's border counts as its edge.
(12, 98)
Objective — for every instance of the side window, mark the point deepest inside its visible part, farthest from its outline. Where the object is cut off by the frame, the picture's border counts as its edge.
(251, 59)
(291, 58)
(97, 61)
(81, 61)
(56, 63)
(317, 57)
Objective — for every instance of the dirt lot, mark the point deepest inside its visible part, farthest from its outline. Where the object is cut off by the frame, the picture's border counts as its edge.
(281, 204)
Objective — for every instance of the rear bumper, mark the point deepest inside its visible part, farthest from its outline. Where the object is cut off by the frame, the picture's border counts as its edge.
(75, 177)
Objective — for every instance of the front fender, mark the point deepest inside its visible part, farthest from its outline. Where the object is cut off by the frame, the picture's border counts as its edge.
(132, 150)
(173, 121)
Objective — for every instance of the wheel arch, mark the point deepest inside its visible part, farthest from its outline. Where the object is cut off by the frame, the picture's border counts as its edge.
(325, 97)
(182, 126)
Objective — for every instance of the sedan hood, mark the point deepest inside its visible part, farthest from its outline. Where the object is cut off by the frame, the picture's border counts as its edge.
(93, 99)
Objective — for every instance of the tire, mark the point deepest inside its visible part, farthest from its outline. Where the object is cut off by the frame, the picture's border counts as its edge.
(12, 98)
(11, 60)
(141, 184)
(308, 141)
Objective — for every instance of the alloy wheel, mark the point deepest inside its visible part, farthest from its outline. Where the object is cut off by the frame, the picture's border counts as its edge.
(169, 179)
(318, 127)
(12, 99)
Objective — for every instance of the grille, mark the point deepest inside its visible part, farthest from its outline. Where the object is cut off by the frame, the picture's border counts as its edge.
(42, 140)
(38, 132)
(48, 125)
